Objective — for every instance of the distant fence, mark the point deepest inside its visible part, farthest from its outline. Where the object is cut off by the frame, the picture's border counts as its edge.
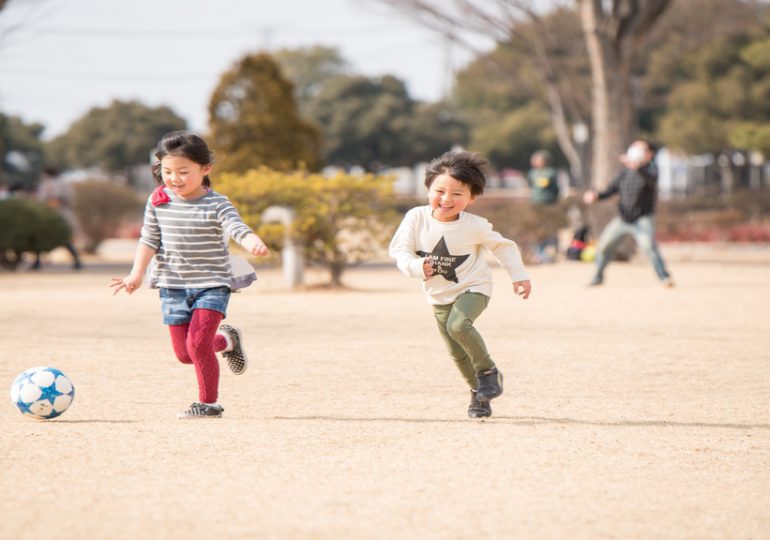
(681, 177)
(707, 174)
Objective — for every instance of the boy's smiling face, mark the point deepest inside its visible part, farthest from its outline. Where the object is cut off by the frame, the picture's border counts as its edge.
(448, 197)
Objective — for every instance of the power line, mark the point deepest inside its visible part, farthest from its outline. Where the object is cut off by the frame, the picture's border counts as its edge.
(154, 78)
(257, 31)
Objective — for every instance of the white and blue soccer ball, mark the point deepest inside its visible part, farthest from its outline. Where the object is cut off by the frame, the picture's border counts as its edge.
(42, 393)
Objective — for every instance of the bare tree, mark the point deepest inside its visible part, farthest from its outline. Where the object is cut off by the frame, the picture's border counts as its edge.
(10, 29)
(610, 28)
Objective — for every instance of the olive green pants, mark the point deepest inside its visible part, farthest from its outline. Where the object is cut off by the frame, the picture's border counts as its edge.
(463, 341)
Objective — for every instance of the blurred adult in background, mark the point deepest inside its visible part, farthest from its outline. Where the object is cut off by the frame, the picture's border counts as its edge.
(542, 178)
(60, 196)
(637, 187)
(544, 188)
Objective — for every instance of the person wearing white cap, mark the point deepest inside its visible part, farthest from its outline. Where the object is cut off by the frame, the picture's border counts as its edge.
(637, 187)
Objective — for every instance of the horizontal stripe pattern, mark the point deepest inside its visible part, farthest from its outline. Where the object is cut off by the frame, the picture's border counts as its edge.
(190, 240)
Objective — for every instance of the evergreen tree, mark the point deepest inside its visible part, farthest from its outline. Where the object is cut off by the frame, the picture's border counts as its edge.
(254, 121)
(309, 69)
(720, 98)
(21, 151)
(114, 138)
(364, 120)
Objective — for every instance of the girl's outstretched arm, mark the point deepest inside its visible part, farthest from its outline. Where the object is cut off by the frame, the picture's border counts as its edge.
(254, 245)
(134, 280)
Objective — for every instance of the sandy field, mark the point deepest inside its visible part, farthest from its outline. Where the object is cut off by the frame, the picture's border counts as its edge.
(630, 411)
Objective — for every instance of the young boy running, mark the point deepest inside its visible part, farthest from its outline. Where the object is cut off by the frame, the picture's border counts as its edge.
(441, 244)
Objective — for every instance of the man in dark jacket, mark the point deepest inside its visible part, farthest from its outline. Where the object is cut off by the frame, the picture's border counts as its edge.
(637, 186)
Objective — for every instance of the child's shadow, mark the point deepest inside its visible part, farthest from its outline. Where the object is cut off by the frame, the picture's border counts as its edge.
(533, 420)
(536, 420)
(94, 421)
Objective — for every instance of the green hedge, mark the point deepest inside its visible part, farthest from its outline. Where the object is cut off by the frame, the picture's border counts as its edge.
(101, 208)
(29, 226)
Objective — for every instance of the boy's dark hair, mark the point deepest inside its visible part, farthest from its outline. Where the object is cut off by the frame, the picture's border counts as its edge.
(185, 144)
(467, 167)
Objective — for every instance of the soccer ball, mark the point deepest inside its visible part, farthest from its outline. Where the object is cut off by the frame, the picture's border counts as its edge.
(42, 393)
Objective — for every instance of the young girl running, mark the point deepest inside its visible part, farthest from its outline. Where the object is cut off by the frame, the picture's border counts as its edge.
(441, 244)
(185, 229)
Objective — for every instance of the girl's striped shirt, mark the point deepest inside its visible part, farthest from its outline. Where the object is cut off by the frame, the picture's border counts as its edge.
(190, 240)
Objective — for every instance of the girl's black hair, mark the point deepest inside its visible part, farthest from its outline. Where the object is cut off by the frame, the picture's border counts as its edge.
(467, 167)
(184, 144)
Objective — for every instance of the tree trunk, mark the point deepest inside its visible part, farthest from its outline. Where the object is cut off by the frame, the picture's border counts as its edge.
(611, 94)
(555, 107)
(336, 269)
(562, 129)
(609, 27)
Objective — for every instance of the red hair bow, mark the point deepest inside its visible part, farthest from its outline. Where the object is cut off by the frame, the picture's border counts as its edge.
(159, 197)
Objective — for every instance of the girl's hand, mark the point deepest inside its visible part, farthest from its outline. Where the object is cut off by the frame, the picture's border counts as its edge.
(260, 250)
(254, 245)
(130, 284)
(427, 268)
(522, 288)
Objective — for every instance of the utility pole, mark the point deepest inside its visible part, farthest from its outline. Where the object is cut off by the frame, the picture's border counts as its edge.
(447, 75)
(267, 37)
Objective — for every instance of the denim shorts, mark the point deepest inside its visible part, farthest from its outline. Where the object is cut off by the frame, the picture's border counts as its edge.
(178, 304)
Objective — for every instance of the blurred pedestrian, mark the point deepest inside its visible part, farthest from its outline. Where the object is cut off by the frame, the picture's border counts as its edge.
(60, 196)
(637, 187)
(542, 179)
(544, 187)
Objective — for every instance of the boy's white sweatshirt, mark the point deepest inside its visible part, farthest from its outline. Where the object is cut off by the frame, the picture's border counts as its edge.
(455, 250)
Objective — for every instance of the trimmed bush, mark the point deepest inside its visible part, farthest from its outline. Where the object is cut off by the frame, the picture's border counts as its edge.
(521, 221)
(102, 208)
(743, 216)
(341, 220)
(29, 226)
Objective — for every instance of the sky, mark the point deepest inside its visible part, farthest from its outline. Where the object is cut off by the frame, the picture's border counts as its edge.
(60, 58)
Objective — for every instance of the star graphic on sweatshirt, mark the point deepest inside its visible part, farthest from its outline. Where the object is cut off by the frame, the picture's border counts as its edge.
(443, 263)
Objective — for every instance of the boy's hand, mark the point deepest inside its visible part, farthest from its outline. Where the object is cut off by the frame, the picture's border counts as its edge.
(589, 197)
(427, 267)
(130, 284)
(254, 245)
(522, 288)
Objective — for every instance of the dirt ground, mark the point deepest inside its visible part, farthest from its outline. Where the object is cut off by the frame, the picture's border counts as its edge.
(630, 411)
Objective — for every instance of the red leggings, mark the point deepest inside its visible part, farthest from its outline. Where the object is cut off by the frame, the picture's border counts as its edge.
(195, 343)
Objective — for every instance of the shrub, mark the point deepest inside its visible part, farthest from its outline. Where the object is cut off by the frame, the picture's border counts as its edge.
(341, 220)
(29, 226)
(743, 216)
(102, 208)
(521, 221)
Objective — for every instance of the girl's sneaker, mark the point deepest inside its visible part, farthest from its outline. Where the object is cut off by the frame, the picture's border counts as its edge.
(479, 409)
(201, 410)
(236, 356)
